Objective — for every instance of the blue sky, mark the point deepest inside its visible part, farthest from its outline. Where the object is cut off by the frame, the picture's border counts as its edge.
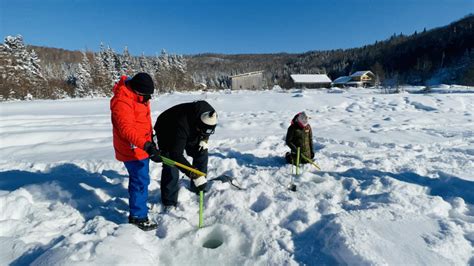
(220, 26)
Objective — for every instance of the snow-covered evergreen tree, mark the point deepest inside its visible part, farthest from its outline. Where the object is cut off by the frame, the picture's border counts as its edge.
(171, 72)
(110, 63)
(144, 66)
(101, 78)
(21, 70)
(126, 63)
(83, 77)
(34, 65)
(164, 59)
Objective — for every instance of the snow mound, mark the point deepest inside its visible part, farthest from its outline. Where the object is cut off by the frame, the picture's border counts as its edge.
(30, 224)
(394, 238)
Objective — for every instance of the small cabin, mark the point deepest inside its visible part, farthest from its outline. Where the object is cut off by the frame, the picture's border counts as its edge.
(247, 81)
(362, 79)
(310, 81)
(357, 79)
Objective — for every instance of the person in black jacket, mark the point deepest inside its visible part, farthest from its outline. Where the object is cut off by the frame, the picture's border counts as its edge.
(184, 127)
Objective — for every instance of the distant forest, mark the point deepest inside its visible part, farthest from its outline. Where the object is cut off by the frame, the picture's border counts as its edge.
(440, 55)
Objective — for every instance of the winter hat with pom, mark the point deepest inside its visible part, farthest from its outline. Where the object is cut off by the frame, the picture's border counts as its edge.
(142, 83)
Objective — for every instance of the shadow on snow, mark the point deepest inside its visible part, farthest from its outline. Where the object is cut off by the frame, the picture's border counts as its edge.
(82, 186)
(78, 188)
(446, 186)
(309, 245)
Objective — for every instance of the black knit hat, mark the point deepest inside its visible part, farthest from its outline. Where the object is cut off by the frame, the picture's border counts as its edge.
(142, 83)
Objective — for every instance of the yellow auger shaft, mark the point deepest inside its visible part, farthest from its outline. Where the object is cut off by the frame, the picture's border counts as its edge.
(311, 162)
(170, 162)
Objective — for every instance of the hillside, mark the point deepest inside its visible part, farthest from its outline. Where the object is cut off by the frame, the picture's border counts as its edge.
(440, 55)
(446, 53)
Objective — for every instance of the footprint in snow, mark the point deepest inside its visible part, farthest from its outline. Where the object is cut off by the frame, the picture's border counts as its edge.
(162, 230)
(261, 204)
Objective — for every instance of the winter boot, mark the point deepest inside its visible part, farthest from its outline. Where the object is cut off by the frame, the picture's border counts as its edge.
(167, 209)
(144, 223)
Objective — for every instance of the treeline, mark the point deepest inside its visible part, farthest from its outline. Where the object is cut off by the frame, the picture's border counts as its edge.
(441, 55)
(444, 54)
(49, 73)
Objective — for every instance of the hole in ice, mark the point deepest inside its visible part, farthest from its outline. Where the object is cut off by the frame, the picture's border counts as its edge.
(214, 240)
(212, 243)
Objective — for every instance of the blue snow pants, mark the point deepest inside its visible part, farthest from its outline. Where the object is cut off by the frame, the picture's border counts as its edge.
(138, 187)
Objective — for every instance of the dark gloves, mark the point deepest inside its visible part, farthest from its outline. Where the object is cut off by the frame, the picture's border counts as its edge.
(192, 175)
(152, 151)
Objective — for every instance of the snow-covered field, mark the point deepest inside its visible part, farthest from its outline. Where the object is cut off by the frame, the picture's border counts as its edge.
(396, 186)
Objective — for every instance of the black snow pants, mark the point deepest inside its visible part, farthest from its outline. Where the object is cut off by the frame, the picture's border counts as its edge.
(170, 175)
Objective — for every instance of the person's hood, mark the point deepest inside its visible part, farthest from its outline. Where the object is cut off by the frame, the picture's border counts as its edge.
(295, 123)
(120, 85)
(200, 107)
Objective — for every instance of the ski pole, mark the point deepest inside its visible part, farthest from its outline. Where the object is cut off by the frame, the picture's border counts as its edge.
(297, 160)
(311, 162)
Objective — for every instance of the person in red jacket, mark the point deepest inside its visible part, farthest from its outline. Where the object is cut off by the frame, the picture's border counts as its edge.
(132, 138)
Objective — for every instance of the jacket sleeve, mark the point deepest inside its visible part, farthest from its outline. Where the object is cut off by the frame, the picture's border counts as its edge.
(177, 151)
(124, 121)
(311, 139)
(289, 138)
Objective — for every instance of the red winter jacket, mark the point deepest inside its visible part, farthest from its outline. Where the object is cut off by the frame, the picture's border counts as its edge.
(131, 121)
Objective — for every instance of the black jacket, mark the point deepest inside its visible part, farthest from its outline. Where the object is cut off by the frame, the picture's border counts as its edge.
(176, 131)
